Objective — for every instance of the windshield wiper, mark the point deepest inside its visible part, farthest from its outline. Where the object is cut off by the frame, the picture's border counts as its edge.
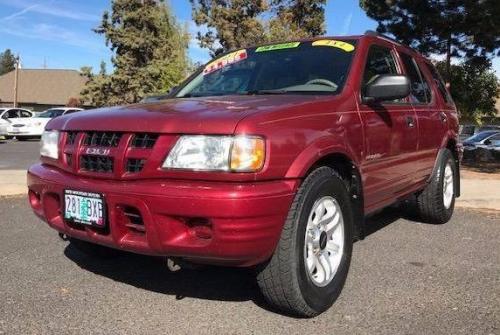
(264, 92)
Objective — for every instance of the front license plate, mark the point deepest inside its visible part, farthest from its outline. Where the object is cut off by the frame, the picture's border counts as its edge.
(84, 207)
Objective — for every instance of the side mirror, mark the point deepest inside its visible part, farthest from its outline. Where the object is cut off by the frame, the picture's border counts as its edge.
(487, 142)
(387, 87)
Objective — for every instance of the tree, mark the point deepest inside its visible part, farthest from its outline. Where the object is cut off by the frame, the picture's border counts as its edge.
(475, 88)
(298, 18)
(232, 24)
(7, 62)
(455, 28)
(149, 53)
(73, 102)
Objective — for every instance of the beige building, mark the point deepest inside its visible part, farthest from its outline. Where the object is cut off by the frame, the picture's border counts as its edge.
(41, 88)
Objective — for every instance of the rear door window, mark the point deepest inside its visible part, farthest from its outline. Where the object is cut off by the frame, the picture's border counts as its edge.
(438, 80)
(420, 91)
(26, 114)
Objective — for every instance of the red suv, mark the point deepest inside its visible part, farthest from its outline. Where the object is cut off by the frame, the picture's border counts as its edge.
(268, 157)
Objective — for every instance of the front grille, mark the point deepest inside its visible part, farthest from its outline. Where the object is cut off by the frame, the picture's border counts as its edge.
(135, 165)
(102, 139)
(69, 159)
(122, 154)
(144, 140)
(71, 137)
(96, 164)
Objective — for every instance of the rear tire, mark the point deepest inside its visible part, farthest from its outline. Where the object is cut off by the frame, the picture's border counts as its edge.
(94, 250)
(297, 280)
(435, 204)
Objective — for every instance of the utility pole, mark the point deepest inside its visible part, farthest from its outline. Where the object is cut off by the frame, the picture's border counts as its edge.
(16, 81)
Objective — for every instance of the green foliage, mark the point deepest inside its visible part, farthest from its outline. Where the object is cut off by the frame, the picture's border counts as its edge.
(7, 62)
(232, 24)
(456, 28)
(150, 53)
(474, 88)
(302, 18)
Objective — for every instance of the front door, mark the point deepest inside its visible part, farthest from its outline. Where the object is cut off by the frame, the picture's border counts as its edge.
(390, 136)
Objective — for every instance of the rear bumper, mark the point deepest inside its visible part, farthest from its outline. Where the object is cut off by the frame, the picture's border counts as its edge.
(208, 222)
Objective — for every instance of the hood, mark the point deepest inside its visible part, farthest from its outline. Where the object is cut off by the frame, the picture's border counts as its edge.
(213, 115)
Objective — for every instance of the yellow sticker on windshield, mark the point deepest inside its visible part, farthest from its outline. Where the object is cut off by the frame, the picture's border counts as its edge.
(347, 47)
(230, 58)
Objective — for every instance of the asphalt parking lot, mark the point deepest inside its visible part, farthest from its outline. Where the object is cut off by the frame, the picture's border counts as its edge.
(405, 278)
(18, 155)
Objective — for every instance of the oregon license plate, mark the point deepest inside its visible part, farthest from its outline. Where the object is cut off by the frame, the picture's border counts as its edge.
(84, 208)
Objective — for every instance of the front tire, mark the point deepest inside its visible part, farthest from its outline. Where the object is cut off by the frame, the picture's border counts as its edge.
(309, 267)
(435, 204)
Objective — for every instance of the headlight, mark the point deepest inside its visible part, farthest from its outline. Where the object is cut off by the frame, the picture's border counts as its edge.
(217, 153)
(49, 144)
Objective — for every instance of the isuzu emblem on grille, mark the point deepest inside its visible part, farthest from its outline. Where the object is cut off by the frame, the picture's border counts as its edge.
(97, 151)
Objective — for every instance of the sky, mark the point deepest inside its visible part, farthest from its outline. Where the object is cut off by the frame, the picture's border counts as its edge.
(58, 33)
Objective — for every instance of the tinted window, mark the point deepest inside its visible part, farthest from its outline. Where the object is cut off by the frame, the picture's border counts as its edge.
(290, 68)
(25, 114)
(52, 113)
(438, 80)
(480, 136)
(13, 113)
(495, 137)
(380, 61)
(420, 92)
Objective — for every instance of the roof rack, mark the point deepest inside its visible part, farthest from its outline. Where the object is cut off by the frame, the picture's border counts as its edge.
(377, 34)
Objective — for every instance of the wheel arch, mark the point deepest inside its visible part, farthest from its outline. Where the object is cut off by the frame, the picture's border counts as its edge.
(351, 175)
(452, 146)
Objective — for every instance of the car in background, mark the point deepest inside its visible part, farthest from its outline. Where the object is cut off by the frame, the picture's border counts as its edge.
(34, 126)
(468, 130)
(482, 139)
(10, 115)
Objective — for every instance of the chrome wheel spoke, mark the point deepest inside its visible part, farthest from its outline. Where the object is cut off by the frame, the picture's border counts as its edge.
(324, 240)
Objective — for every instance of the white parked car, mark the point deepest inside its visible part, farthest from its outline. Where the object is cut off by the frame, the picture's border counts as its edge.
(34, 127)
(9, 116)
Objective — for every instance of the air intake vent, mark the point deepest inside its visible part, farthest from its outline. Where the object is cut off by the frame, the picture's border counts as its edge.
(144, 141)
(135, 165)
(102, 139)
(71, 137)
(96, 164)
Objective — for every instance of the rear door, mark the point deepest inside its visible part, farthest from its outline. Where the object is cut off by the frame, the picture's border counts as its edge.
(390, 134)
(429, 119)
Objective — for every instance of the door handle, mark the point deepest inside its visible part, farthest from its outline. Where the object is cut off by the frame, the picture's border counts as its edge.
(410, 121)
(443, 117)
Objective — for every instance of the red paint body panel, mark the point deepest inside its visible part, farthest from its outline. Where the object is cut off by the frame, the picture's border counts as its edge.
(246, 211)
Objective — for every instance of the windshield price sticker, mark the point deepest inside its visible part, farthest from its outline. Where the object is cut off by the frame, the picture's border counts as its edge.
(226, 60)
(347, 47)
(280, 46)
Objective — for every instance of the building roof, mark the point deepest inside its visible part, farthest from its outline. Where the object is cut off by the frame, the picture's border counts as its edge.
(42, 86)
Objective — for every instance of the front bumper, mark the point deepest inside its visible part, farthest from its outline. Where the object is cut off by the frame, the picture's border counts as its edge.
(24, 131)
(220, 223)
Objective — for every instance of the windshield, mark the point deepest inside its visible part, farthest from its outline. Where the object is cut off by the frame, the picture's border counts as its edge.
(480, 136)
(51, 113)
(314, 67)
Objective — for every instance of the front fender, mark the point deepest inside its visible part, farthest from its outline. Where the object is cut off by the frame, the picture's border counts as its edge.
(317, 150)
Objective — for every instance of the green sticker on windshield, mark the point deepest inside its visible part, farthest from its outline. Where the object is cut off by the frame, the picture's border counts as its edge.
(280, 46)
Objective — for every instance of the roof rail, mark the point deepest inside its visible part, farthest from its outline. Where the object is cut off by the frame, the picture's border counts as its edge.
(377, 34)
